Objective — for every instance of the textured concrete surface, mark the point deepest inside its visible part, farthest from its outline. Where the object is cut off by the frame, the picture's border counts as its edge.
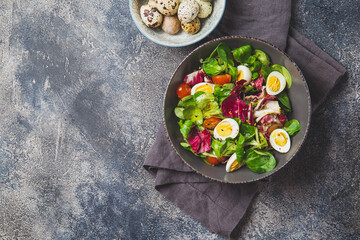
(80, 102)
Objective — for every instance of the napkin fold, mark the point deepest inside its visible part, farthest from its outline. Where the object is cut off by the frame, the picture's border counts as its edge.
(220, 206)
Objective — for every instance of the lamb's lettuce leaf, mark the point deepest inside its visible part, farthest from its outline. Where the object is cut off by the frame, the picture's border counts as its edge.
(284, 72)
(259, 161)
(292, 127)
(262, 57)
(284, 101)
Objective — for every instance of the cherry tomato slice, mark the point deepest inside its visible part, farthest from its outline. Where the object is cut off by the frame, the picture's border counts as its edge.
(222, 79)
(214, 160)
(183, 90)
(211, 123)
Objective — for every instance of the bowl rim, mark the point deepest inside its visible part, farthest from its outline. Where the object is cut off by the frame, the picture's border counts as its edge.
(306, 90)
(176, 45)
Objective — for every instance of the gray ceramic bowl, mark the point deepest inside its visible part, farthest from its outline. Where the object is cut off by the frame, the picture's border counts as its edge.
(181, 39)
(299, 96)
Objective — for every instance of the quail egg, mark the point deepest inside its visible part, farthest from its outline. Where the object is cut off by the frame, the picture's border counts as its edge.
(227, 128)
(150, 16)
(203, 87)
(232, 164)
(280, 140)
(243, 73)
(191, 27)
(275, 83)
(188, 10)
(205, 8)
(167, 7)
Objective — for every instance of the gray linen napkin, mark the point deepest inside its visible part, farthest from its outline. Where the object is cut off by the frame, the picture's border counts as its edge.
(220, 206)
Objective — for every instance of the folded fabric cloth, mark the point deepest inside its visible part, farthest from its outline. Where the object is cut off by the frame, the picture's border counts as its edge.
(220, 206)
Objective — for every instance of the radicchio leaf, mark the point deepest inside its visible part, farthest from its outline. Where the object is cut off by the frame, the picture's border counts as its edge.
(259, 82)
(250, 115)
(197, 77)
(233, 106)
(257, 97)
(200, 141)
(194, 139)
(238, 86)
(205, 137)
(283, 119)
(263, 101)
(268, 123)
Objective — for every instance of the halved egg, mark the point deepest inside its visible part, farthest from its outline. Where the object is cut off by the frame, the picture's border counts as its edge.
(275, 83)
(243, 73)
(227, 128)
(232, 164)
(280, 140)
(203, 87)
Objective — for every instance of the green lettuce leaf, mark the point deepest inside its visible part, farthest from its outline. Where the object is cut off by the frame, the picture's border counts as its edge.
(212, 109)
(262, 57)
(213, 68)
(203, 99)
(292, 127)
(194, 114)
(284, 101)
(284, 72)
(242, 54)
(259, 161)
(185, 127)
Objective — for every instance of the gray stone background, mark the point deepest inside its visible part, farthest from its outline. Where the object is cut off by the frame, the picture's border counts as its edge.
(80, 102)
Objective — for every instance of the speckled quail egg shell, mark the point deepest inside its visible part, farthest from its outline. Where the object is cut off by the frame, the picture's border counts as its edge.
(204, 87)
(205, 8)
(191, 27)
(188, 10)
(275, 89)
(167, 7)
(280, 140)
(244, 73)
(150, 16)
(152, 3)
(228, 123)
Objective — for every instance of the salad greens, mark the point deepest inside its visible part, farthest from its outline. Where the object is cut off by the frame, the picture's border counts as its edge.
(236, 118)
(292, 127)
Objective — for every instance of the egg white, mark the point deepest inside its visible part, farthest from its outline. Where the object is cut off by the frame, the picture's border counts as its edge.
(278, 148)
(231, 161)
(193, 89)
(234, 127)
(282, 83)
(246, 71)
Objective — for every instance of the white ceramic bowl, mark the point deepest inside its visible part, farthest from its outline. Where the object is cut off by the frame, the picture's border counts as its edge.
(180, 39)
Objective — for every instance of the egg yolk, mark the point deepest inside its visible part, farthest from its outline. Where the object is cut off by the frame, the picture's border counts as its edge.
(234, 166)
(273, 83)
(224, 129)
(204, 88)
(280, 139)
(240, 76)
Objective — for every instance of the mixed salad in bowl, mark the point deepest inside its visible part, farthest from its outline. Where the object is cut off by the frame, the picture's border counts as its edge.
(233, 109)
